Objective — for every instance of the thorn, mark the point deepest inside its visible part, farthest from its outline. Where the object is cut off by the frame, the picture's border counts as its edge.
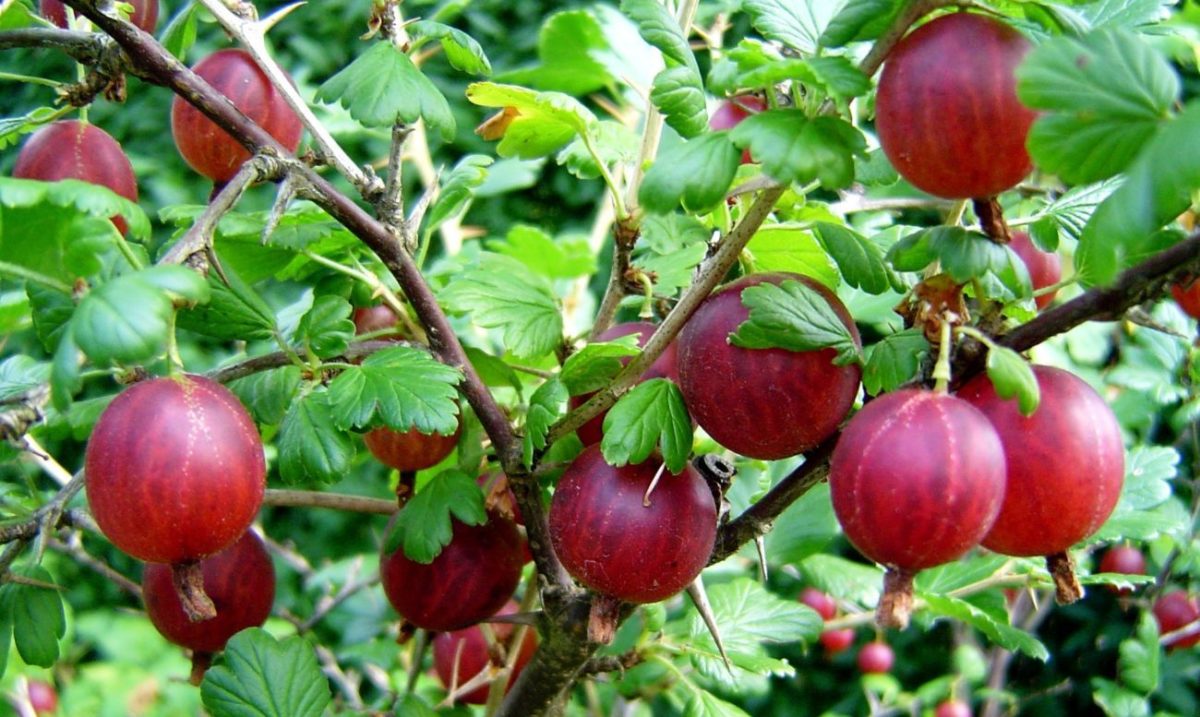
(273, 19)
(284, 197)
(653, 484)
(700, 599)
(761, 544)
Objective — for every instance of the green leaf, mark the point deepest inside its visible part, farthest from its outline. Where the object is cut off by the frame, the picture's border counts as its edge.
(180, 34)
(795, 148)
(1139, 657)
(695, 174)
(234, 311)
(383, 87)
(311, 447)
(423, 525)
(960, 573)
(20, 374)
(679, 94)
(458, 189)
(573, 54)
(38, 622)
(836, 76)
(796, 24)
(1006, 636)
(964, 254)
(590, 368)
(702, 703)
(52, 312)
(326, 328)
(463, 52)
(65, 379)
(84, 197)
(650, 415)
(492, 370)
(804, 529)
(411, 705)
(1104, 95)
(1117, 701)
(860, 20)
(544, 123)
(124, 320)
(547, 404)
(553, 258)
(659, 27)
(262, 677)
(792, 249)
(793, 316)
(1157, 189)
(268, 394)
(1145, 508)
(894, 361)
(178, 282)
(499, 292)
(843, 578)
(1012, 377)
(6, 634)
(613, 141)
(401, 388)
(858, 258)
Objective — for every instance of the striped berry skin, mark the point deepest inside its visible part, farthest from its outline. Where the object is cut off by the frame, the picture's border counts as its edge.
(663, 367)
(947, 112)
(71, 149)
(1066, 463)
(1045, 268)
(472, 578)
(210, 150)
(175, 469)
(410, 450)
(917, 479)
(240, 580)
(144, 15)
(762, 403)
(612, 542)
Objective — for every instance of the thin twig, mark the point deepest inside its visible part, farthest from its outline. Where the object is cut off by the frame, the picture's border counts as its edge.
(75, 550)
(334, 501)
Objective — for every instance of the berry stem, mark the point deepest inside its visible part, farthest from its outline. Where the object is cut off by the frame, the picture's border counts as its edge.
(941, 372)
(201, 661)
(1066, 585)
(188, 579)
(896, 603)
(603, 619)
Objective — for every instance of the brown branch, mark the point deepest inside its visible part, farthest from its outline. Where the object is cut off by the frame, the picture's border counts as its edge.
(279, 359)
(74, 549)
(88, 48)
(333, 501)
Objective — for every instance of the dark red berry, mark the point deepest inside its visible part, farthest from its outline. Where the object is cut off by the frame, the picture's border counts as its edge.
(375, 318)
(1045, 268)
(175, 469)
(732, 111)
(819, 601)
(1187, 295)
(1066, 463)
(947, 112)
(1177, 610)
(240, 580)
(875, 658)
(762, 403)
(467, 582)
(473, 655)
(210, 150)
(43, 698)
(1123, 559)
(71, 149)
(663, 367)
(917, 479)
(836, 641)
(614, 540)
(410, 450)
(144, 15)
(952, 708)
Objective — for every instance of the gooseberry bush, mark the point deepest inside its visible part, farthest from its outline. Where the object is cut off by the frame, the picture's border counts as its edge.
(671, 357)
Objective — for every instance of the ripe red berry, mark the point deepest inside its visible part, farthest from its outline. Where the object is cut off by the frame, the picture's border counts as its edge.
(947, 112)
(1066, 463)
(240, 580)
(875, 658)
(1045, 268)
(210, 150)
(1176, 610)
(732, 111)
(762, 403)
(144, 15)
(43, 698)
(1187, 295)
(614, 541)
(410, 450)
(1124, 559)
(473, 655)
(953, 708)
(917, 479)
(467, 582)
(71, 149)
(819, 601)
(374, 318)
(663, 367)
(175, 469)
(836, 641)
